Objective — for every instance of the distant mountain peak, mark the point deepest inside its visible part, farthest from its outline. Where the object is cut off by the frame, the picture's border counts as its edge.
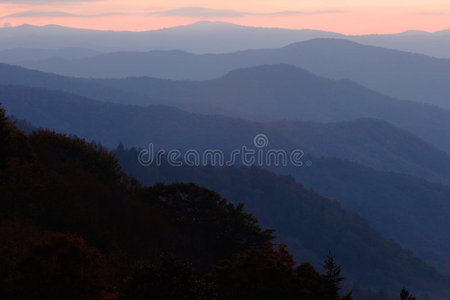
(269, 70)
(443, 32)
(208, 25)
(213, 23)
(414, 32)
(227, 26)
(322, 41)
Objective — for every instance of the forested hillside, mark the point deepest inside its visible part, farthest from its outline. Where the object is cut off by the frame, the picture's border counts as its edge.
(304, 220)
(74, 226)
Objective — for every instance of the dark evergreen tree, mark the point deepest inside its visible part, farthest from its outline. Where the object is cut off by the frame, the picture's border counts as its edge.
(333, 276)
(332, 271)
(405, 295)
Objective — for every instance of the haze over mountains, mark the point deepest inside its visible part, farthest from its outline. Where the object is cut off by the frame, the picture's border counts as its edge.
(12, 75)
(259, 93)
(208, 37)
(371, 142)
(405, 208)
(416, 77)
(17, 55)
(201, 37)
(285, 92)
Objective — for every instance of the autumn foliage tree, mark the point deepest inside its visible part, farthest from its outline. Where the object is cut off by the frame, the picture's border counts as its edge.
(60, 266)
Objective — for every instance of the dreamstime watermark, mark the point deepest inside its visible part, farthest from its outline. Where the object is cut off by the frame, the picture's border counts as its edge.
(244, 156)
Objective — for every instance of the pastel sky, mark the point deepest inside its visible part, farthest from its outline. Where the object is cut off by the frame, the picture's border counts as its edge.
(345, 16)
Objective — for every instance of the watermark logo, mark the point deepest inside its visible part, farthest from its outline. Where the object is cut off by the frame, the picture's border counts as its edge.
(259, 155)
(261, 141)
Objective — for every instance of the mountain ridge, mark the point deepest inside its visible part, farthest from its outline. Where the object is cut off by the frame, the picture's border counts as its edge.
(244, 38)
(418, 77)
(344, 99)
(254, 93)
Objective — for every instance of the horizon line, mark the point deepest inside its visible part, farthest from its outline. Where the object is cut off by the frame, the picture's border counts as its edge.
(225, 23)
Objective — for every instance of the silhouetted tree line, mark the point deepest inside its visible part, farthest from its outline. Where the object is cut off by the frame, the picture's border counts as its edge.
(74, 226)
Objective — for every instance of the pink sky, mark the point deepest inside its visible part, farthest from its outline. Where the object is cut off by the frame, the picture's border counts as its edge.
(345, 16)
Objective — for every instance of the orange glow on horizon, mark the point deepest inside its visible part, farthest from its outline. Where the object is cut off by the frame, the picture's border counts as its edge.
(349, 17)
